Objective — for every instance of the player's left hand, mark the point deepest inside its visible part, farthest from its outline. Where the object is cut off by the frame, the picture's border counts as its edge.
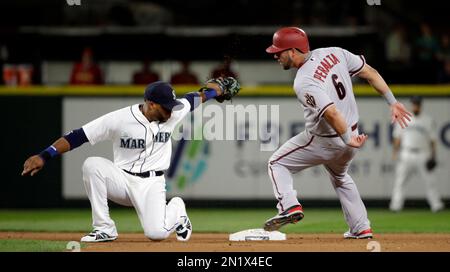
(357, 141)
(400, 115)
(229, 87)
(32, 165)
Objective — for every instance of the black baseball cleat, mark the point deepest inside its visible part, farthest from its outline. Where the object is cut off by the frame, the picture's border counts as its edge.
(291, 215)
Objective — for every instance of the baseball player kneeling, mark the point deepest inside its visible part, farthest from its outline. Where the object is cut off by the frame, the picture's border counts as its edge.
(142, 149)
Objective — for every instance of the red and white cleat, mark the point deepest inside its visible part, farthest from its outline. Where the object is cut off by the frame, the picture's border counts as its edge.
(291, 215)
(365, 234)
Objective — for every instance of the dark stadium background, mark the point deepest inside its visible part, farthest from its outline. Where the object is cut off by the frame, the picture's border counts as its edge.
(50, 30)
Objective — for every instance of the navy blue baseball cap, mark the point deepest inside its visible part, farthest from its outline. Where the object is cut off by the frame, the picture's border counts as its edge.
(162, 93)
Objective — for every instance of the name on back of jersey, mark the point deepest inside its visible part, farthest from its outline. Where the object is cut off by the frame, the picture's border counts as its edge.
(325, 66)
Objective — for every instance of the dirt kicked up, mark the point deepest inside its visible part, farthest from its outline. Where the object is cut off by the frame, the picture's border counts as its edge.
(218, 242)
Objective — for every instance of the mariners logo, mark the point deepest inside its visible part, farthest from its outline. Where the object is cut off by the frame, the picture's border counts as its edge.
(162, 137)
(310, 100)
(131, 143)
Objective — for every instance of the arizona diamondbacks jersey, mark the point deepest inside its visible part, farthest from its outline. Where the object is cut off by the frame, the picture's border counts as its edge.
(138, 144)
(418, 134)
(323, 80)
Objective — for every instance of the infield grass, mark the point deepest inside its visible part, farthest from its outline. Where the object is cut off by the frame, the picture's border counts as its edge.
(229, 220)
(12, 245)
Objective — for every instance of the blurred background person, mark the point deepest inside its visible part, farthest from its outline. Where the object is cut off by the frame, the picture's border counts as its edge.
(146, 75)
(398, 54)
(86, 72)
(3, 61)
(426, 52)
(444, 60)
(25, 74)
(185, 75)
(444, 73)
(415, 150)
(444, 50)
(224, 69)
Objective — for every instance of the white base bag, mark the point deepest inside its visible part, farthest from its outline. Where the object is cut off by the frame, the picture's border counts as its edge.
(257, 235)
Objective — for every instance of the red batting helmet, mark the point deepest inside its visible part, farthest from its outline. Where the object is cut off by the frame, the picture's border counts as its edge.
(287, 38)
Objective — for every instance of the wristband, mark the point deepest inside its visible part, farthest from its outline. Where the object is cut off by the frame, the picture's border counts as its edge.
(346, 136)
(389, 96)
(209, 93)
(48, 153)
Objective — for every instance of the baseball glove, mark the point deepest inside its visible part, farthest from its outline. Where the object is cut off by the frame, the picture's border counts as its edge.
(430, 164)
(230, 87)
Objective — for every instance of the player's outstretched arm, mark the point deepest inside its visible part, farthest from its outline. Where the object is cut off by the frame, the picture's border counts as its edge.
(213, 89)
(399, 113)
(220, 89)
(338, 123)
(66, 143)
(35, 163)
(196, 98)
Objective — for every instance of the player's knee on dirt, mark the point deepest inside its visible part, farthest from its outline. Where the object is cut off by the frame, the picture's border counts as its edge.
(156, 235)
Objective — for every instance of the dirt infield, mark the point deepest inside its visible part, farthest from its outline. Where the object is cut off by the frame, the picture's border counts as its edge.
(218, 242)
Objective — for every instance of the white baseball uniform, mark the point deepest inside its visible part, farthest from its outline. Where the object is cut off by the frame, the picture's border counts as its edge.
(139, 146)
(323, 80)
(415, 150)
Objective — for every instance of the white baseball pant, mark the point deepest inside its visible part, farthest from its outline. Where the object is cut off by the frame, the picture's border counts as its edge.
(103, 180)
(305, 150)
(409, 162)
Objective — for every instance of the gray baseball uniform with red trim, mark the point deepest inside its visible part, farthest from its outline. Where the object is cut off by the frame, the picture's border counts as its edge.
(323, 80)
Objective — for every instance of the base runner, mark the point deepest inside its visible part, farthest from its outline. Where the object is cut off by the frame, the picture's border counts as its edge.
(324, 89)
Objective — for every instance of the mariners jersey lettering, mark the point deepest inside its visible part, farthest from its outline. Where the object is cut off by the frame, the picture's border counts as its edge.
(325, 80)
(138, 145)
(418, 134)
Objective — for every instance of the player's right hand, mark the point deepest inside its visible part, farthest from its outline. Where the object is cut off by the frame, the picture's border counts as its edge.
(32, 165)
(400, 115)
(357, 141)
